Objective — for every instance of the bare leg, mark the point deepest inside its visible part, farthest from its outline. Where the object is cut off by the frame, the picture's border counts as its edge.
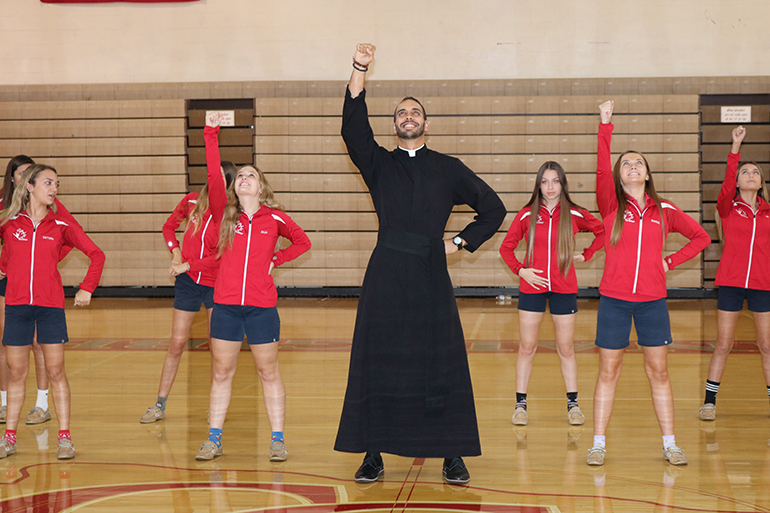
(273, 391)
(564, 326)
(180, 334)
(224, 357)
(3, 363)
(610, 365)
(40, 375)
(60, 386)
(656, 367)
(726, 322)
(529, 331)
(762, 324)
(18, 367)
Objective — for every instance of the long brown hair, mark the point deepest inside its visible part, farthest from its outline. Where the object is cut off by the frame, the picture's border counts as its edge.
(233, 208)
(620, 194)
(20, 199)
(8, 185)
(566, 238)
(202, 204)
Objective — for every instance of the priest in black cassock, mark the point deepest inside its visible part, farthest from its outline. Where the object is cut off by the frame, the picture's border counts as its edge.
(409, 388)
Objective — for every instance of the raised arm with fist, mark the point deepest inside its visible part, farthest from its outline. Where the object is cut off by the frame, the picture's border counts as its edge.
(605, 110)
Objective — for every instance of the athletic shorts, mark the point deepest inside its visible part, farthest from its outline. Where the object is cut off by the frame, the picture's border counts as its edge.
(232, 322)
(559, 304)
(731, 299)
(189, 295)
(21, 321)
(613, 325)
(3, 284)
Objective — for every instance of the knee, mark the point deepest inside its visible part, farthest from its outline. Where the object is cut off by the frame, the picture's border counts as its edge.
(55, 373)
(176, 347)
(609, 373)
(565, 352)
(723, 347)
(527, 350)
(269, 372)
(222, 373)
(657, 373)
(17, 372)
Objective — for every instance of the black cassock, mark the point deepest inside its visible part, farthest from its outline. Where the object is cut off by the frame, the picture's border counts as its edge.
(409, 387)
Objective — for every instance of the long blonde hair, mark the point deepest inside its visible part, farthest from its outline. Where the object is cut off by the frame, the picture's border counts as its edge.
(20, 198)
(620, 194)
(233, 208)
(566, 238)
(202, 204)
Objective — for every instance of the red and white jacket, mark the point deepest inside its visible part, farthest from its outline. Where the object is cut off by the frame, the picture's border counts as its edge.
(64, 215)
(31, 255)
(244, 277)
(199, 249)
(545, 255)
(745, 261)
(633, 269)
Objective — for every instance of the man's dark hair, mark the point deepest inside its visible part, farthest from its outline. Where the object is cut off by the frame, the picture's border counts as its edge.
(424, 112)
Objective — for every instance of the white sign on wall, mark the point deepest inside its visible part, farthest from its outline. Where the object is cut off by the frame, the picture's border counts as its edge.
(228, 116)
(736, 115)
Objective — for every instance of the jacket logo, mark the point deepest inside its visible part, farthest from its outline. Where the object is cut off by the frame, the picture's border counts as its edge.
(263, 231)
(628, 217)
(20, 234)
(540, 219)
(741, 213)
(46, 237)
(239, 228)
(654, 221)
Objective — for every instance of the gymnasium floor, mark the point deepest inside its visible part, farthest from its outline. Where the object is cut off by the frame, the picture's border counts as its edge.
(117, 349)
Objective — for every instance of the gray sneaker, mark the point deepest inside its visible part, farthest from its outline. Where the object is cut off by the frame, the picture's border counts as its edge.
(596, 456)
(3, 414)
(675, 455)
(65, 450)
(708, 412)
(209, 451)
(576, 417)
(37, 415)
(520, 417)
(153, 414)
(278, 451)
(6, 448)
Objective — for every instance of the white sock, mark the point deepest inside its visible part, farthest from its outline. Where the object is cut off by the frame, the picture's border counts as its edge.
(599, 441)
(668, 441)
(42, 399)
(4, 398)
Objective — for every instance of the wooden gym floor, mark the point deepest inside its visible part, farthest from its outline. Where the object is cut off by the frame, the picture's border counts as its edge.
(114, 362)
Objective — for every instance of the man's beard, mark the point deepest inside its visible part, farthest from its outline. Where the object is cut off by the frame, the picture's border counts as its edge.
(414, 134)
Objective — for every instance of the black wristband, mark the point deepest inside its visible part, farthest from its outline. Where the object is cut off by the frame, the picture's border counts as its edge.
(361, 69)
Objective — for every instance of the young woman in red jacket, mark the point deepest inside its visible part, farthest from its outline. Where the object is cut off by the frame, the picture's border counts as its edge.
(744, 269)
(548, 276)
(34, 235)
(40, 412)
(195, 266)
(633, 287)
(245, 298)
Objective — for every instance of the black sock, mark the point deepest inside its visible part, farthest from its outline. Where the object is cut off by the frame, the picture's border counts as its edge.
(712, 387)
(521, 400)
(768, 392)
(571, 400)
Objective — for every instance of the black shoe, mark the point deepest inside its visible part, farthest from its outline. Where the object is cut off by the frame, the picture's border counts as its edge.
(455, 471)
(371, 469)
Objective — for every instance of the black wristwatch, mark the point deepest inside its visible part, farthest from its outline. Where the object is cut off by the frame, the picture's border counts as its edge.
(458, 241)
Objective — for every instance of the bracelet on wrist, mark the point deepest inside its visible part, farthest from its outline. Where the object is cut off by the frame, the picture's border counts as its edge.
(360, 67)
(362, 70)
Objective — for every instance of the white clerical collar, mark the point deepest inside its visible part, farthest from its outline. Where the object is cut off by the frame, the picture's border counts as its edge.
(412, 153)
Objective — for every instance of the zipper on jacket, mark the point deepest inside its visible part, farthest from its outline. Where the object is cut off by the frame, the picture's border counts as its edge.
(246, 265)
(638, 249)
(550, 224)
(203, 246)
(32, 263)
(751, 249)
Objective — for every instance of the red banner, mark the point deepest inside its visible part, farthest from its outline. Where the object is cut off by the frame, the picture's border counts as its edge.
(112, 1)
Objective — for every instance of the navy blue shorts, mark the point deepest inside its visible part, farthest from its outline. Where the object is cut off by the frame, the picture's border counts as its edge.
(613, 325)
(558, 304)
(3, 284)
(189, 295)
(232, 322)
(731, 299)
(21, 321)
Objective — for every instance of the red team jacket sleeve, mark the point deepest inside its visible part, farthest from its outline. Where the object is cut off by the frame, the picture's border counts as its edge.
(64, 215)
(680, 222)
(299, 240)
(201, 265)
(173, 222)
(589, 223)
(605, 183)
(217, 192)
(512, 238)
(75, 236)
(729, 186)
